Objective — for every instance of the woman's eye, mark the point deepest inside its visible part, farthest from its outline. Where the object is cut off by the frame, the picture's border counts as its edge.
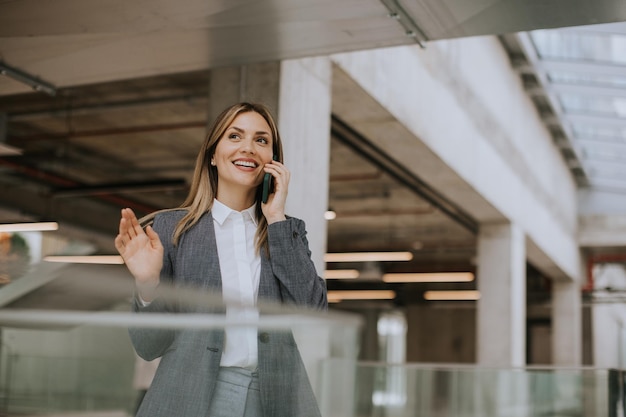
(233, 136)
(263, 140)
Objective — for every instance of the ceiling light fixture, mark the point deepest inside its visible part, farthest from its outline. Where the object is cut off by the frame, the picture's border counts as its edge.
(29, 227)
(471, 295)
(336, 296)
(25, 78)
(88, 259)
(430, 277)
(341, 274)
(368, 257)
(8, 150)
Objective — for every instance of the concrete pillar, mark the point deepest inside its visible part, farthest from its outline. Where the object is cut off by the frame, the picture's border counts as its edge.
(566, 324)
(501, 310)
(304, 120)
(438, 335)
(258, 83)
(298, 94)
(370, 345)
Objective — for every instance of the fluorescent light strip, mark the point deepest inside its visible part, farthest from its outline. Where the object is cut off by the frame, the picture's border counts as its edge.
(452, 295)
(9, 150)
(368, 257)
(430, 277)
(29, 227)
(341, 274)
(94, 259)
(336, 296)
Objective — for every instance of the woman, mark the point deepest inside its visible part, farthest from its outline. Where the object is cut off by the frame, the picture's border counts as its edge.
(225, 239)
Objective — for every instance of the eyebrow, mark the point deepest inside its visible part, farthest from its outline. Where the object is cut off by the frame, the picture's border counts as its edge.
(260, 132)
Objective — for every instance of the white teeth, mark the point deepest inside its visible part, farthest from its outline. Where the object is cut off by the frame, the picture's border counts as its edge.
(246, 164)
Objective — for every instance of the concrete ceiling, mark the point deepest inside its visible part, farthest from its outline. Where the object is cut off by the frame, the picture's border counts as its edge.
(77, 42)
(130, 108)
(91, 150)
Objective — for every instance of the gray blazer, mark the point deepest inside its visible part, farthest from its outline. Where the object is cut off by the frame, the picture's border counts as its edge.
(190, 359)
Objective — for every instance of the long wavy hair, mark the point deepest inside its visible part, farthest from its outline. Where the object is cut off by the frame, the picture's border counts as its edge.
(203, 188)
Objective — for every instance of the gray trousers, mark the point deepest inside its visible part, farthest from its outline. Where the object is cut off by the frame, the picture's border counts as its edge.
(236, 394)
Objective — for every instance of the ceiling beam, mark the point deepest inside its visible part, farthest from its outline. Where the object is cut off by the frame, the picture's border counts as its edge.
(569, 66)
(120, 188)
(78, 109)
(595, 119)
(579, 89)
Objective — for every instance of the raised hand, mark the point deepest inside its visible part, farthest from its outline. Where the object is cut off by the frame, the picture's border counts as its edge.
(141, 250)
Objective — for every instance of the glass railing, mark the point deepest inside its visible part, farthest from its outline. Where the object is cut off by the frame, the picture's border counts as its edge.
(90, 369)
(60, 384)
(411, 390)
(63, 362)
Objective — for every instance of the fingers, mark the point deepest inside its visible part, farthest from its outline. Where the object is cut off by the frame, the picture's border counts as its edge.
(132, 224)
(129, 228)
(274, 209)
(280, 173)
(122, 236)
(123, 225)
(154, 237)
(136, 228)
(119, 244)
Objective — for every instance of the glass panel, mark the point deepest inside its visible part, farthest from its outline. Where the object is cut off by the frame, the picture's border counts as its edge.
(554, 44)
(465, 391)
(599, 80)
(63, 362)
(392, 330)
(603, 106)
(601, 49)
(602, 133)
(90, 369)
(603, 154)
(610, 184)
(606, 175)
(604, 170)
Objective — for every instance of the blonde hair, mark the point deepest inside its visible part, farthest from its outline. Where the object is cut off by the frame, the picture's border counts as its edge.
(204, 182)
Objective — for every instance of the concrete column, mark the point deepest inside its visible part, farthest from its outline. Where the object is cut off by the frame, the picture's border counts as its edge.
(298, 94)
(566, 324)
(257, 83)
(370, 345)
(501, 310)
(304, 121)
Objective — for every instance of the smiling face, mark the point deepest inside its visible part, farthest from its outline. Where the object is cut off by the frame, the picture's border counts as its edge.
(242, 151)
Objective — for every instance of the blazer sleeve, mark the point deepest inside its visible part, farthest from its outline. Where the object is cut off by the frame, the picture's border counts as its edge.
(292, 266)
(151, 343)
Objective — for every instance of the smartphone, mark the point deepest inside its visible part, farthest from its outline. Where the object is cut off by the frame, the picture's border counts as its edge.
(268, 184)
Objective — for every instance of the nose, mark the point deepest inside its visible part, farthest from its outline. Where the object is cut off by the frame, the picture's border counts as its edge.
(247, 146)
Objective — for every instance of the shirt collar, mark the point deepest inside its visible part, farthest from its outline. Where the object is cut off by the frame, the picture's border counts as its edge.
(221, 211)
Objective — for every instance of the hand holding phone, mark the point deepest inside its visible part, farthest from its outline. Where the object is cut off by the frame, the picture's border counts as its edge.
(268, 184)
